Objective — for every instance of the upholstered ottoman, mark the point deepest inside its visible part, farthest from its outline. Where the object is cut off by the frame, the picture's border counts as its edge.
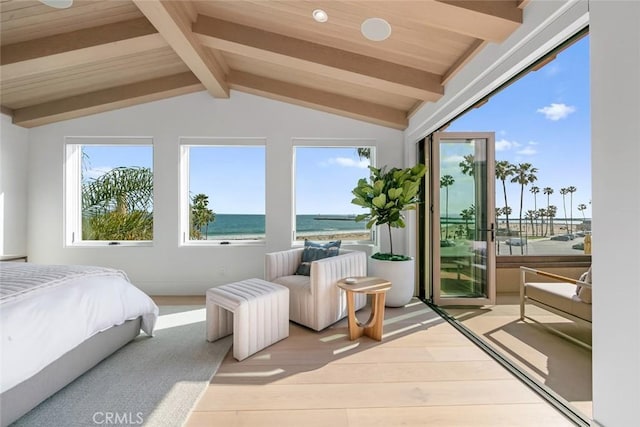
(255, 311)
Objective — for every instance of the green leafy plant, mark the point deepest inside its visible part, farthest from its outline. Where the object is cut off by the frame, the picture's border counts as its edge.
(201, 216)
(118, 205)
(387, 194)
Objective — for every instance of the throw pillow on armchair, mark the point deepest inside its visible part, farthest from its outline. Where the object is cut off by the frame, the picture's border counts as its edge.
(315, 251)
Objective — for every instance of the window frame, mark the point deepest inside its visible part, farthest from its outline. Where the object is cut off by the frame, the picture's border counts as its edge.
(353, 143)
(184, 229)
(72, 197)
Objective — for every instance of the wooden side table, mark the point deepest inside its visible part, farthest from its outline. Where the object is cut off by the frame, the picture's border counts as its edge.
(370, 286)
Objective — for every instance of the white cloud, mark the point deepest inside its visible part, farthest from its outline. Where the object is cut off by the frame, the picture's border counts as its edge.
(556, 112)
(349, 163)
(503, 145)
(455, 158)
(96, 172)
(527, 151)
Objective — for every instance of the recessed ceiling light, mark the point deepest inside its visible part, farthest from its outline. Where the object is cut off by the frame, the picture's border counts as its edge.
(376, 29)
(320, 15)
(58, 4)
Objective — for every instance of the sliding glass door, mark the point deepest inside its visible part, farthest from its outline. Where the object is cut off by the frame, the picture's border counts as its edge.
(462, 219)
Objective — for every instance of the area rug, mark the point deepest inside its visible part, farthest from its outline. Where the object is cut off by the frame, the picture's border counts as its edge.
(150, 382)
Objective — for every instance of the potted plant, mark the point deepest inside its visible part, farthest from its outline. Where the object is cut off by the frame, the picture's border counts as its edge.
(387, 194)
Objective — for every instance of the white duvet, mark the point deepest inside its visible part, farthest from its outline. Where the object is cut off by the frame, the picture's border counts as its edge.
(41, 320)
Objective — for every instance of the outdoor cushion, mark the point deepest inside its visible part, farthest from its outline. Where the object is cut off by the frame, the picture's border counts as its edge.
(561, 296)
(584, 293)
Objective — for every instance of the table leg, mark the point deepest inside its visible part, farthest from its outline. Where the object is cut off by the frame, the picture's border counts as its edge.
(355, 330)
(374, 326)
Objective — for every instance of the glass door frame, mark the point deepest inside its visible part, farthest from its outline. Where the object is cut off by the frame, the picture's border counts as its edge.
(433, 228)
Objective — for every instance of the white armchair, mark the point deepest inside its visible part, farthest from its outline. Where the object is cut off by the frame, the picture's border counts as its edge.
(315, 301)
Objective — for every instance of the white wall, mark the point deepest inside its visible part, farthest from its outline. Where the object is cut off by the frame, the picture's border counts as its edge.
(166, 268)
(14, 148)
(615, 118)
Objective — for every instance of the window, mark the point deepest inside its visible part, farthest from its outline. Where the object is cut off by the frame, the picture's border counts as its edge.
(543, 164)
(223, 190)
(324, 177)
(109, 191)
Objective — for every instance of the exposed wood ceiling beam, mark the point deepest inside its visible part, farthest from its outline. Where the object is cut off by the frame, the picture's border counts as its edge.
(75, 40)
(318, 59)
(106, 100)
(318, 99)
(523, 3)
(5, 110)
(173, 20)
(77, 48)
(491, 20)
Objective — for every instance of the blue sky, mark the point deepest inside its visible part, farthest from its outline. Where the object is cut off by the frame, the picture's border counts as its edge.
(542, 119)
(102, 158)
(325, 178)
(232, 177)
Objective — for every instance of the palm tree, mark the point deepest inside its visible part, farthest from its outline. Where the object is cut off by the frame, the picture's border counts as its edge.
(467, 215)
(535, 190)
(118, 205)
(564, 192)
(364, 152)
(582, 207)
(201, 216)
(445, 182)
(467, 166)
(548, 191)
(506, 210)
(552, 211)
(504, 170)
(571, 190)
(531, 215)
(525, 174)
(542, 212)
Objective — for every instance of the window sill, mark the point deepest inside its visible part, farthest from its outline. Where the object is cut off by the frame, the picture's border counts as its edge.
(222, 243)
(111, 244)
(300, 243)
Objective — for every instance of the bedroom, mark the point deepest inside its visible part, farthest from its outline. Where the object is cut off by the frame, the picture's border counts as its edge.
(32, 194)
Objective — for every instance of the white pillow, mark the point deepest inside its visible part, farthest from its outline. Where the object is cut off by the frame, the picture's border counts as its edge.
(583, 292)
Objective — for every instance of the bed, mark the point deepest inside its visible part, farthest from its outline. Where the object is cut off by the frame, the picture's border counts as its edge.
(57, 322)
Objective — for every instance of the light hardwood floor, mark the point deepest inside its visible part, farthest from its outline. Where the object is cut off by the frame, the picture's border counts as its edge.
(424, 372)
(560, 364)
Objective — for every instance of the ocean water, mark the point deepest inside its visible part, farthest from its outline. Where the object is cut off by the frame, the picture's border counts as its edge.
(236, 226)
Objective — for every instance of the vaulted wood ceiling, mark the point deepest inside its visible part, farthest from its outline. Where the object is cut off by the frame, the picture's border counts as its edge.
(58, 64)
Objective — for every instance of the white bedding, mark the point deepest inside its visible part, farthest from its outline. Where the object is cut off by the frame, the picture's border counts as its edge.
(42, 320)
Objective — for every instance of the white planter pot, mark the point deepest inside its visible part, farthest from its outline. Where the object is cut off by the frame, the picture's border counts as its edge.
(401, 274)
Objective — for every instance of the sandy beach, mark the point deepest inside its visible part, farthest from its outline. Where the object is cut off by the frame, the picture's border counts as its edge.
(347, 235)
(558, 228)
